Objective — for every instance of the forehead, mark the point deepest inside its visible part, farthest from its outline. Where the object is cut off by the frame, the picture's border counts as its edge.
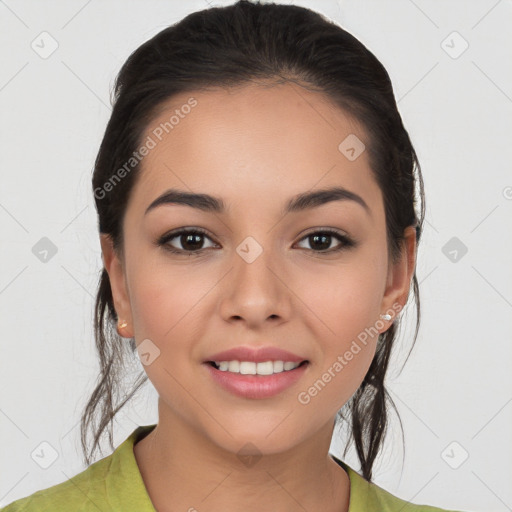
(252, 144)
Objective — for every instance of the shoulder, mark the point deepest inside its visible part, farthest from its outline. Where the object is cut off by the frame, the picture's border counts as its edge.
(111, 483)
(372, 497)
(369, 497)
(84, 491)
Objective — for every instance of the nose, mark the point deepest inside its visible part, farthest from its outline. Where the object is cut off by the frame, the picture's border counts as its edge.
(256, 291)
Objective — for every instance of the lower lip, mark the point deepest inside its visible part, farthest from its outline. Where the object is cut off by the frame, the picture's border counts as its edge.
(256, 386)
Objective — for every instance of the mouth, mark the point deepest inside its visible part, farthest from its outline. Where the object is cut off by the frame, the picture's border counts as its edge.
(253, 368)
(250, 380)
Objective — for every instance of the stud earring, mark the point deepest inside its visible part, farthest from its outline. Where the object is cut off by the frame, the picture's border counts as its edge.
(120, 325)
(386, 317)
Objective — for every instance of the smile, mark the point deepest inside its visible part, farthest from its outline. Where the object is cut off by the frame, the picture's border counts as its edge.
(252, 368)
(245, 379)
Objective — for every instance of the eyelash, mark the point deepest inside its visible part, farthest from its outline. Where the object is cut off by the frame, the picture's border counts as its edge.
(164, 240)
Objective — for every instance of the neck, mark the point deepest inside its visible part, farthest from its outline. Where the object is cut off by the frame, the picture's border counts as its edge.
(183, 470)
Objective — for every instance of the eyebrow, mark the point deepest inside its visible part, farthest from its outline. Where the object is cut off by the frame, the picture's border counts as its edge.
(298, 203)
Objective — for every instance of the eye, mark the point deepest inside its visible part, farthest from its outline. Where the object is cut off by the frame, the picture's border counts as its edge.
(322, 240)
(191, 241)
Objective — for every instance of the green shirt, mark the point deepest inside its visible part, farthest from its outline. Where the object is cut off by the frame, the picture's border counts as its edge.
(115, 483)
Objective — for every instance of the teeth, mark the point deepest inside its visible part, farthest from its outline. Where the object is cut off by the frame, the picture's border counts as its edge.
(252, 368)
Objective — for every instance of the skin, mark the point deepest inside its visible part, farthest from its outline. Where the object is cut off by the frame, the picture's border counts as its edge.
(255, 147)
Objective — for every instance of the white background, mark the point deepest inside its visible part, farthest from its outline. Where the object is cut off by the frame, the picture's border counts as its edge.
(457, 384)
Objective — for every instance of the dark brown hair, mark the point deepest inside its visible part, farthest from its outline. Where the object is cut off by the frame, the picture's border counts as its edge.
(228, 47)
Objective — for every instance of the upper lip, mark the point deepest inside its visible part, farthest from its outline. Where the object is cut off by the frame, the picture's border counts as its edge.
(257, 355)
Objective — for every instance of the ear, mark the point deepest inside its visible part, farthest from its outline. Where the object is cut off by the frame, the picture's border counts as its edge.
(114, 267)
(399, 277)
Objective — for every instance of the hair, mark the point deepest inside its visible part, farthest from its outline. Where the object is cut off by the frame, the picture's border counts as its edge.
(234, 46)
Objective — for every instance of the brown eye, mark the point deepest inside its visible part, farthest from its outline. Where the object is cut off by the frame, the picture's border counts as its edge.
(320, 241)
(188, 241)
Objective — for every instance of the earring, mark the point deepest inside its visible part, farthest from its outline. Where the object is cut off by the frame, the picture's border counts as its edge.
(120, 325)
(386, 317)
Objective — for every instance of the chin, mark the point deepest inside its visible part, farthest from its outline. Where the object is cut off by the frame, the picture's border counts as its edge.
(258, 438)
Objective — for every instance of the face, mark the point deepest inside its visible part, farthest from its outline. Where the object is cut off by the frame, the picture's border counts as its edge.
(312, 281)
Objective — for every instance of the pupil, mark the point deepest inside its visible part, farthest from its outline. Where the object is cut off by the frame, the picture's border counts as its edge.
(189, 244)
(324, 245)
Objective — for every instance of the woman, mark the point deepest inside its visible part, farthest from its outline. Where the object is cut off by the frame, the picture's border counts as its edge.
(255, 190)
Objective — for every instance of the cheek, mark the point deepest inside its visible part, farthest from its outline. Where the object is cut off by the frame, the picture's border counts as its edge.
(344, 350)
(343, 312)
(343, 299)
(330, 387)
(165, 299)
(168, 309)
